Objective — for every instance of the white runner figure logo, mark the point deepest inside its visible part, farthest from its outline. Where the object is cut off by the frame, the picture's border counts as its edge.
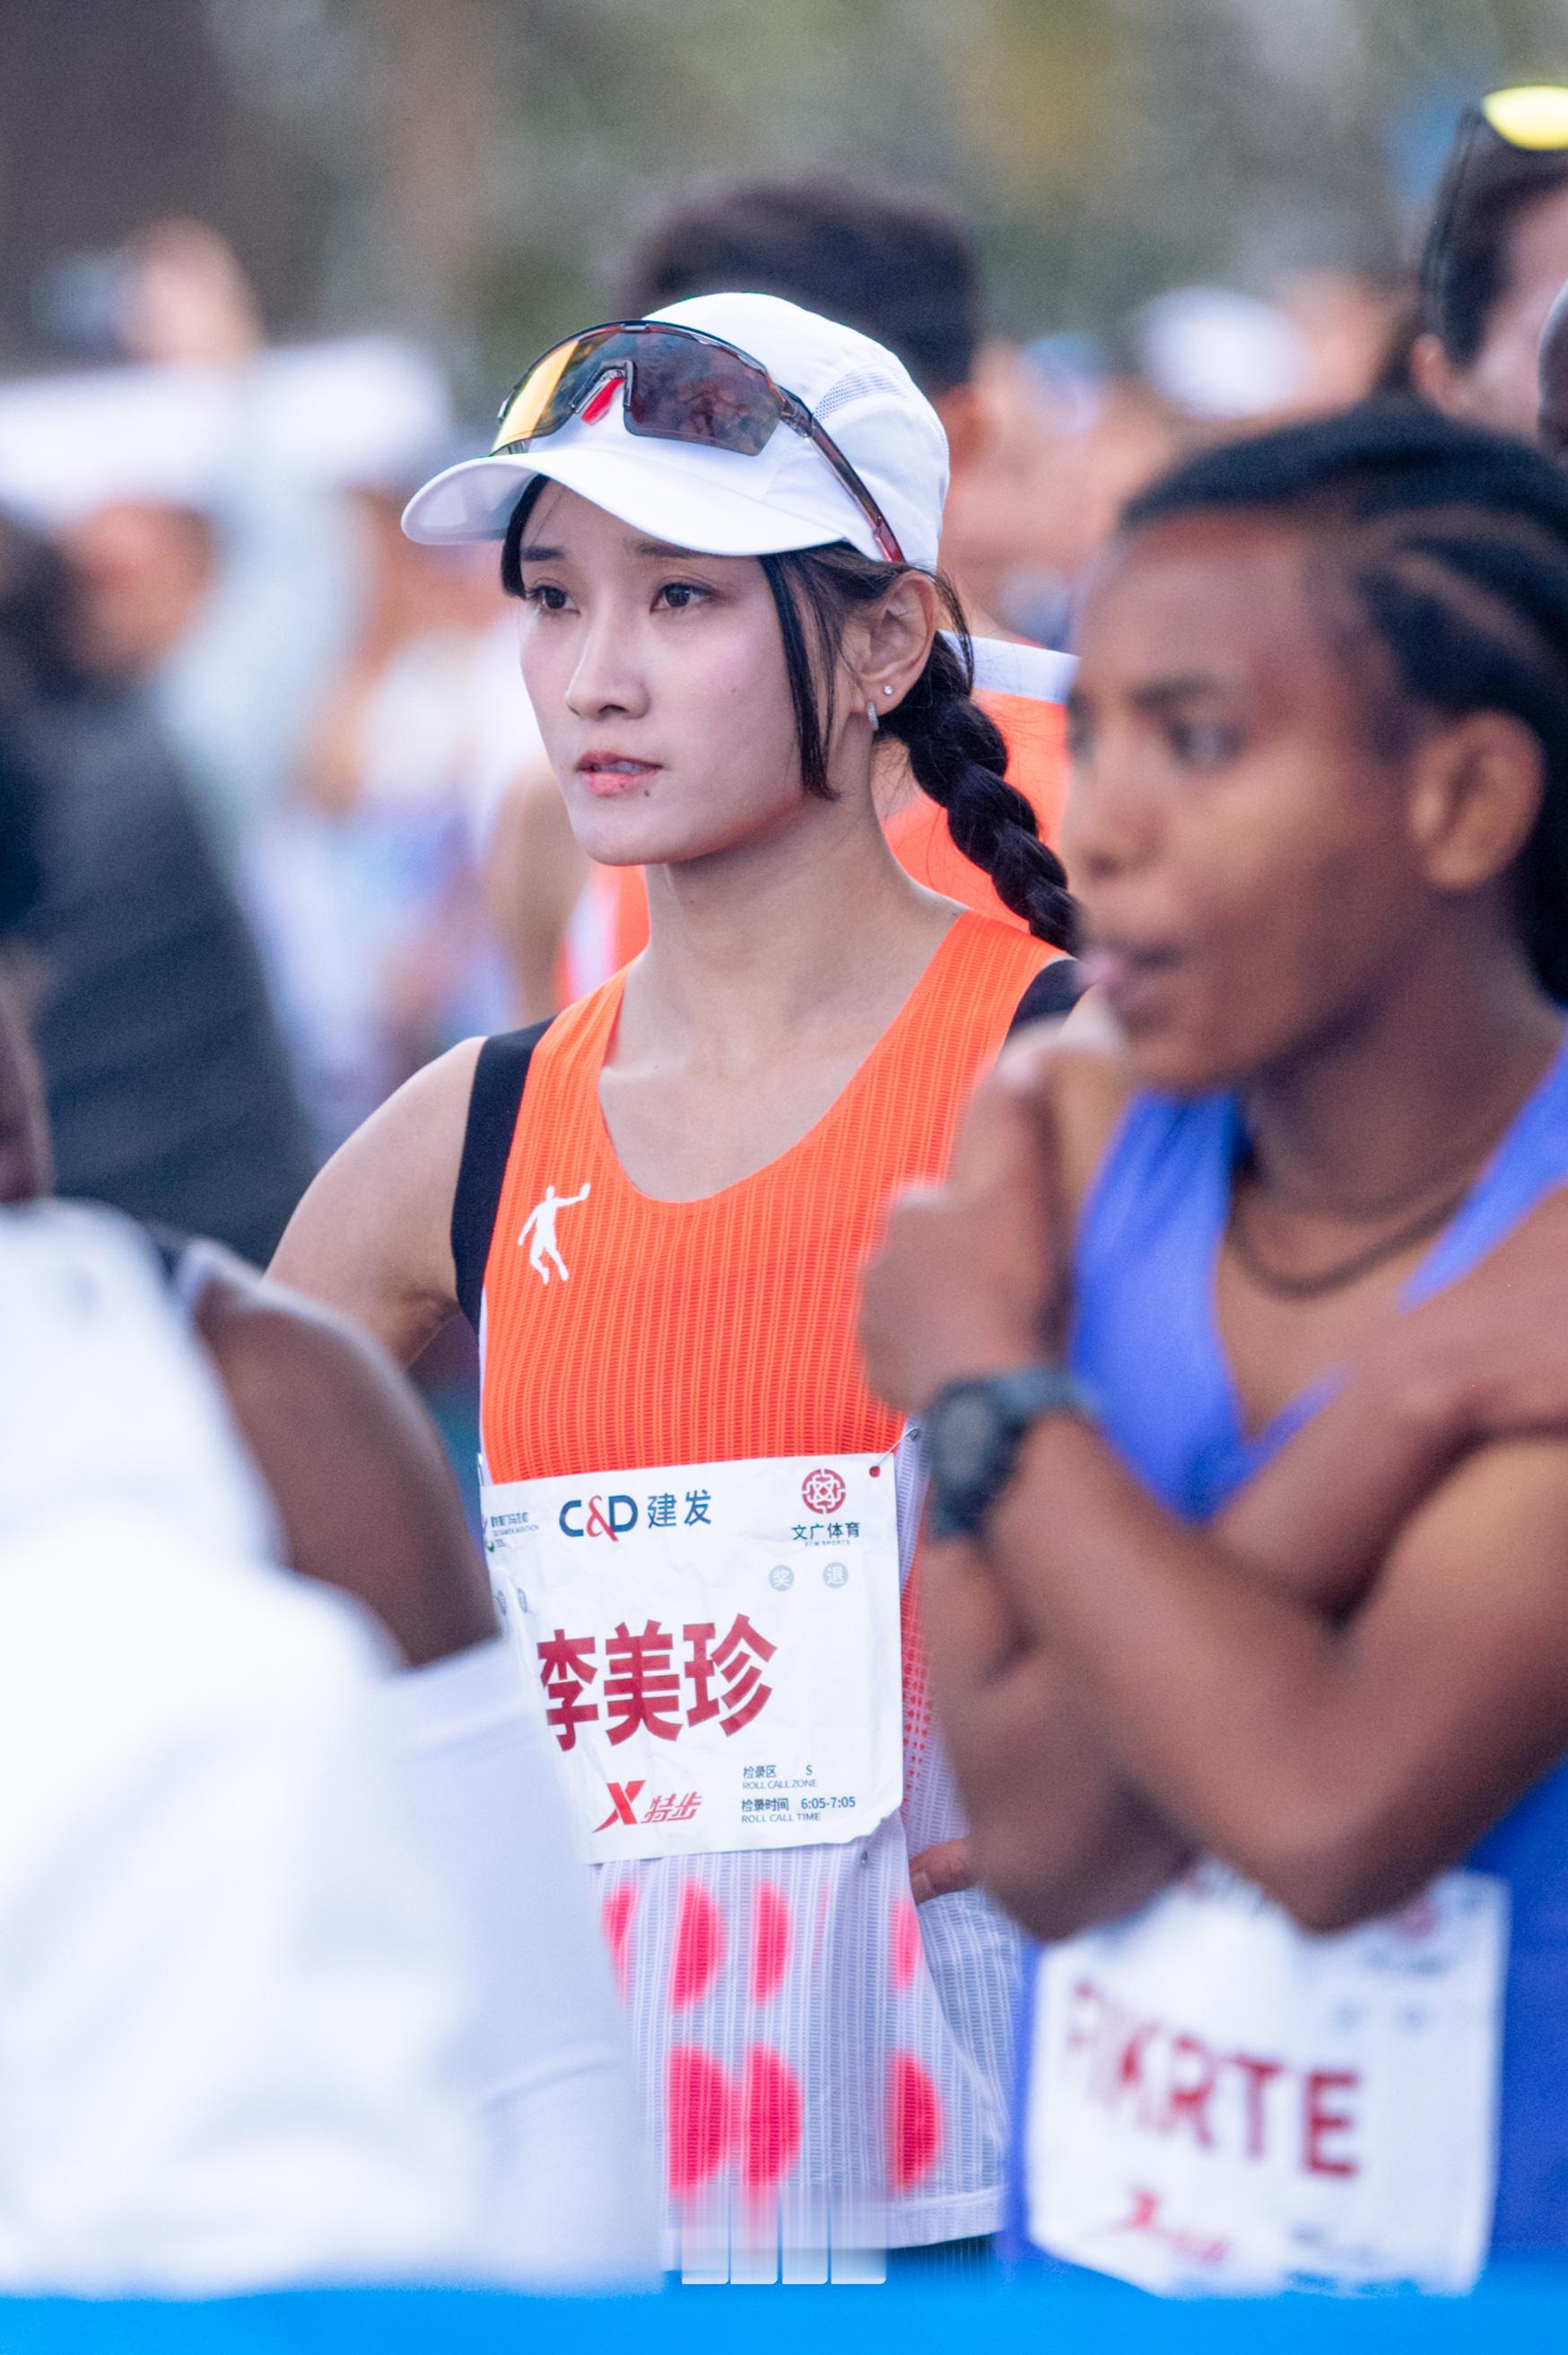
(540, 1224)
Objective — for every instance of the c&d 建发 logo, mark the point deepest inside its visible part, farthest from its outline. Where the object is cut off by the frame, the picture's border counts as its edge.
(598, 1517)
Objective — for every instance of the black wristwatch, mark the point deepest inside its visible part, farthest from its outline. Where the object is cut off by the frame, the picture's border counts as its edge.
(972, 1435)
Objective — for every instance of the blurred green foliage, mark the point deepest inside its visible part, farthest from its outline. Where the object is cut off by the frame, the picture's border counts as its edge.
(475, 169)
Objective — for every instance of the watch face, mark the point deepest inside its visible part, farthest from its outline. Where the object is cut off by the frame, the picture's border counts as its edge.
(967, 1442)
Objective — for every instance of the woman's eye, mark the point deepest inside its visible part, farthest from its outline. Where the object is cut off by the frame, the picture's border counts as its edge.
(680, 596)
(546, 598)
(1205, 743)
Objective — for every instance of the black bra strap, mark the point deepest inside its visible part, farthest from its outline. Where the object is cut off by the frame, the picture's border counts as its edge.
(500, 1078)
(1054, 991)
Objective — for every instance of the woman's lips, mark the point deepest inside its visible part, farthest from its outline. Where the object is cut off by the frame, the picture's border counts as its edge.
(610, 773)
(1131, 978)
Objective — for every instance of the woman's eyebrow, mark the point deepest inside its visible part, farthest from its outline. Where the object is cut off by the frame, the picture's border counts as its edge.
(536, 553)
(1161, 694)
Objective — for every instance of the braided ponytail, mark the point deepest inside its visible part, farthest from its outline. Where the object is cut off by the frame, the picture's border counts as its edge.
(957, 755)
(960, 757)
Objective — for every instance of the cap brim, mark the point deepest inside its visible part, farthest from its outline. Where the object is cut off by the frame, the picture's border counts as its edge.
(668, 490)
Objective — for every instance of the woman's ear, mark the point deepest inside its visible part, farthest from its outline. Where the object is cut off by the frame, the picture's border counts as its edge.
(1476, 794)
(1436, 378)
(895, 640)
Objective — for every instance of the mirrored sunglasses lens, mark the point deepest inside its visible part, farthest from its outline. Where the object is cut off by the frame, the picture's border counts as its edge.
(548, 394)
(1533, 114)
(684, 392)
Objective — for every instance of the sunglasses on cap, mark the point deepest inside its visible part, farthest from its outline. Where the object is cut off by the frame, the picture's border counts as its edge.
(677, 385)
(1531, 117)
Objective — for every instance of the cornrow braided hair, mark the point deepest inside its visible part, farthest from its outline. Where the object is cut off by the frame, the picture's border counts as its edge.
(956, 754)
(1449, 545)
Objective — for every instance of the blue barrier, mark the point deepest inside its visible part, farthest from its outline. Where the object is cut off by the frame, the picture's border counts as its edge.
(1516, 2307)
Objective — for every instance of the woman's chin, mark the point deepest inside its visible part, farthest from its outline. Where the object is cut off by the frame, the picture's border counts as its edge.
(622, 833)
(625, 835)
(1169, 1063)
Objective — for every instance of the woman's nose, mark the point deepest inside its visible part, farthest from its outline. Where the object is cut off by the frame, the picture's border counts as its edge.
(1110, 824)
(606, 678)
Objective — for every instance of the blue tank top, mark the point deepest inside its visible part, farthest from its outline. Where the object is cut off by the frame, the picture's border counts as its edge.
(1148, 1250)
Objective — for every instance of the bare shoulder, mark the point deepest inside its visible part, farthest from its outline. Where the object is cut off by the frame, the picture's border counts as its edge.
(1077, 1072)
(373, 1236)
(359, 1478)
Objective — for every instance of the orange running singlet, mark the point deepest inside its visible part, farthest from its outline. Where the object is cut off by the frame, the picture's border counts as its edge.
(727, 1324)
(808, 2043)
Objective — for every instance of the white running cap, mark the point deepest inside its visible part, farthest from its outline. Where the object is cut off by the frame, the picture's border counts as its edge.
(720, 501)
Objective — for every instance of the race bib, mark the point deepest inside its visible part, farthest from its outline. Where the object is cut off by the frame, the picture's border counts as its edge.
(1220, 2103)
(718, 1645)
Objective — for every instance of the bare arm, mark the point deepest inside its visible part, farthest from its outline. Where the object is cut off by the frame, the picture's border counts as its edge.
(1338, 1767)
(1057, 1831)
(359, 1478)
(372, 1238)
(1036, 1776)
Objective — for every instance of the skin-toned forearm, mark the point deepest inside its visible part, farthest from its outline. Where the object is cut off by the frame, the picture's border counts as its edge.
(1337, 1768)
(1057, 1833)
(1188, 1666)
(1315, 1522)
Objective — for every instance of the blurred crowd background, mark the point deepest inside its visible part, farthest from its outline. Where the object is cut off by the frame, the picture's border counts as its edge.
(265, 264)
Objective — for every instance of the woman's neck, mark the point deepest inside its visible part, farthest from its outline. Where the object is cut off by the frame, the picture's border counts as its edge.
(807, 930)
(1448, 1053)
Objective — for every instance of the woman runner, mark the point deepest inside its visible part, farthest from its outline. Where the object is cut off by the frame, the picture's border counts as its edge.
(1254, 1632)
(655, 1210)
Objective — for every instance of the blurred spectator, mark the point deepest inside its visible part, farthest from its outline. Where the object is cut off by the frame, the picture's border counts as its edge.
(232, 1990)
(1222, 357)
(1071, 440)
(231, 593)
(232, 1985)
(1552, 420)
(1346, 320)
(367, 878)
(168, 1089)
(1496, 253)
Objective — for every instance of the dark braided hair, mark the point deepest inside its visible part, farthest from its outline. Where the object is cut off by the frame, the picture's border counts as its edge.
(957, 755)
(1449, 546)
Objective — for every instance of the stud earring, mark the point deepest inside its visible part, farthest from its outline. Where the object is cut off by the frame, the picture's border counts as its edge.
(887, 691)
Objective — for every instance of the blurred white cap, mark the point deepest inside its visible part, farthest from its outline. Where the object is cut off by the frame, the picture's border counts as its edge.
(359, 412)
(721, 501)
(1216, 352)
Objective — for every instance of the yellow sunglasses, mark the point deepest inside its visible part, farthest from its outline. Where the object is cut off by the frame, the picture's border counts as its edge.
(1530, 115)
